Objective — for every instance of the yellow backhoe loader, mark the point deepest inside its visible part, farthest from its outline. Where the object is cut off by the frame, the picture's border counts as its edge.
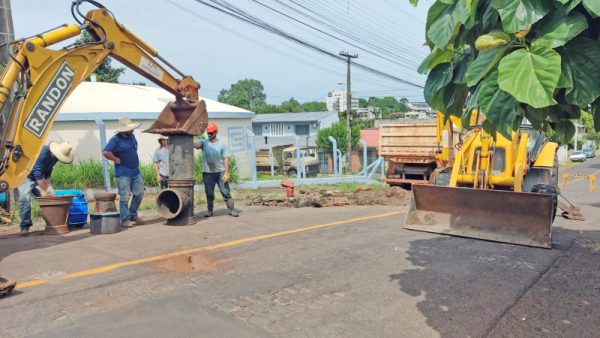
(496, 188)
(39, 80)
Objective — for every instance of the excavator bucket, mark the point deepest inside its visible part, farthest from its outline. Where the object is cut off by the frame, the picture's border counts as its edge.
(181, 117)
(501, 216)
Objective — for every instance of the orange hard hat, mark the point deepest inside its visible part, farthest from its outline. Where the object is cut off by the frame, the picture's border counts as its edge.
(212, 128)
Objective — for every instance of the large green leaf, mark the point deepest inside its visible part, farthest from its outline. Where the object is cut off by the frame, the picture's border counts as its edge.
(556, 29)
(442, 20)
(596, 114)
(593, 6)
(484, 62)
(437, 79)
(490, 18)
(436, 57)
(498, 106)
(455, 97)
(572, 4)
(472, 7)
(518, 14)
(582, 57)
(531, 75)
(565, 130)
(566, 72)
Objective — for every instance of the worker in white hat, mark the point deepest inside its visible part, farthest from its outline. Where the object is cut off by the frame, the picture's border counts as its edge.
(161, 161)
(38, 181)
(122, 150)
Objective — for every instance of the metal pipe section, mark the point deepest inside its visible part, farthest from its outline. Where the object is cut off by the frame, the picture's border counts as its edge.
(105, 171)
(334, 150)
(176, 203)
(340, 165)
(364, 143)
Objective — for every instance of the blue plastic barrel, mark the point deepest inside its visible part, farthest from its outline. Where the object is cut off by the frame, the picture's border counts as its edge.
(78, 213)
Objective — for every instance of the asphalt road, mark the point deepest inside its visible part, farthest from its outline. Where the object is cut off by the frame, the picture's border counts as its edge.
(347, 271)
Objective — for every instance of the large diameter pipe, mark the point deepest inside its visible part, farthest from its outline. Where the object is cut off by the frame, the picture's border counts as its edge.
(173, 203)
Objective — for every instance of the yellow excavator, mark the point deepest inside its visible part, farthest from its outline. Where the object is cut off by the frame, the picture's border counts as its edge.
(494, 188)
(39, 79)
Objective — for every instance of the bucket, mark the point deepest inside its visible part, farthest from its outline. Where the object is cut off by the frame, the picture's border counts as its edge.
(78, 213)
(105, 223)
(290, 192)
(55, 211)
(105, 202)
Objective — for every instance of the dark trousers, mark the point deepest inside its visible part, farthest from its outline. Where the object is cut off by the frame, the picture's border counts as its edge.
(163, 182)
(210, 180)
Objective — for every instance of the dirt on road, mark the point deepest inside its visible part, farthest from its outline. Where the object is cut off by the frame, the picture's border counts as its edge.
(306, 197)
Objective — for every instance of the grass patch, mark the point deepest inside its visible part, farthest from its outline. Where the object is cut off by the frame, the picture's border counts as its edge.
(596, 247)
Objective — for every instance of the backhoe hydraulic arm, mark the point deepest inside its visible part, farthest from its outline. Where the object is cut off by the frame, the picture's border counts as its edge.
(40, 79)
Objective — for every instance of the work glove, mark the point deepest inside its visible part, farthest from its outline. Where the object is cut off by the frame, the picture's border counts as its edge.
(226, 177)
(49, 191)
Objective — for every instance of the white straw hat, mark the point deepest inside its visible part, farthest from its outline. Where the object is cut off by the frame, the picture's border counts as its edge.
(125, 124)
(62, 151)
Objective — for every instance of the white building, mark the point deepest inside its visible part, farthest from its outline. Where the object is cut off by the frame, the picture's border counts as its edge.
(281, 129)
(107, 102)
(367, 113)
(336, 101)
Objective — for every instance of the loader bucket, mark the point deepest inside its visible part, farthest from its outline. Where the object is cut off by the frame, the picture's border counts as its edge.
(501, 216)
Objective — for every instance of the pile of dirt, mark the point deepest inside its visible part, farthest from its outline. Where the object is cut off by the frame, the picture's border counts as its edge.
(324, 198)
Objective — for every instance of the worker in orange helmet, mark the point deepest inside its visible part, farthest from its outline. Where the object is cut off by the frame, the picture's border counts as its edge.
(215, 170)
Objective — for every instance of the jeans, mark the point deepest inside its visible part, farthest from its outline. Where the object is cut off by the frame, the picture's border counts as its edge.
(26, 189)
(127, 185)
(210, 180)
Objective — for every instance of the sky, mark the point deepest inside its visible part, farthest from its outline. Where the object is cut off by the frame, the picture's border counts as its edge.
(218, 50)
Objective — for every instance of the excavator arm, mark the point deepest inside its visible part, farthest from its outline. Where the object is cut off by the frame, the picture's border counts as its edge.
(41, 79)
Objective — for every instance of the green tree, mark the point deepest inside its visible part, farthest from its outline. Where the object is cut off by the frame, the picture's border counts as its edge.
(587, 120)
(537, 59)
(291, 106)
(270, 109)
(362, 103)
(105, 72)
(246, 93)
(314, 106)
(339, 132)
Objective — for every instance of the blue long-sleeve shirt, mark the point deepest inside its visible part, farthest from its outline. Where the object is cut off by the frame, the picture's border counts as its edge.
(42, 169)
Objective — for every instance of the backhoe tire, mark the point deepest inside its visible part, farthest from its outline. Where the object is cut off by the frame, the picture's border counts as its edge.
(550, 190)
(292, 172)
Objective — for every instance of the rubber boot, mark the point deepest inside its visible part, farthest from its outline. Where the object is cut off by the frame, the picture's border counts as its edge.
(209, 209)
(231, 208)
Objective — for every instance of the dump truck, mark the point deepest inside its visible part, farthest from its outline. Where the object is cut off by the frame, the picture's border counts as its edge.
(496, 188)
(416, 151)
(284, 160)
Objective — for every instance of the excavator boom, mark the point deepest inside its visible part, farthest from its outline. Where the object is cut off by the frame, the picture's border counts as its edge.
(40, 80)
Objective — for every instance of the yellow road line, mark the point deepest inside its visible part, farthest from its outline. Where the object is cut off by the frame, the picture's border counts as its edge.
(115, 266)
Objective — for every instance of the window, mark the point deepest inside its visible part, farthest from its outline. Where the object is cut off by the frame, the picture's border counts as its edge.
(257, 129)
(302, 129)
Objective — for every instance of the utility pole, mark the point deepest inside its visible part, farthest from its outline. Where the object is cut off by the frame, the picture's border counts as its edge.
(7, 32)
(349, 110)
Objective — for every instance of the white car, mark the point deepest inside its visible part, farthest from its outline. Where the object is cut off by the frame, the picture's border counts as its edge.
(578, 156)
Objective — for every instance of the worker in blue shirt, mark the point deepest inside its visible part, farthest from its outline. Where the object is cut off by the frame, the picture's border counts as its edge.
(122, 150)
(38, 181)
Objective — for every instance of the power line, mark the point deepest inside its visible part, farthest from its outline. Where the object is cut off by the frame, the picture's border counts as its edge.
(237, 13)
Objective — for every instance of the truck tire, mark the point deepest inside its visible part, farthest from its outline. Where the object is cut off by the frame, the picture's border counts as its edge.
(292, 172)
(547, 189)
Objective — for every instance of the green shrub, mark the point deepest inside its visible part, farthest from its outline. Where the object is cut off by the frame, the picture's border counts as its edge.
(149, 175)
